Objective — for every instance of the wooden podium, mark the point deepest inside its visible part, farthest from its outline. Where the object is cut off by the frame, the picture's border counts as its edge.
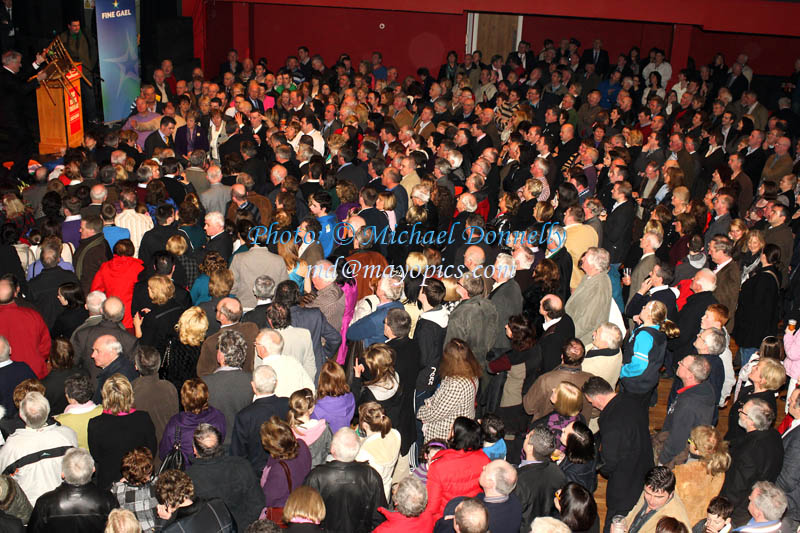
(60, 113)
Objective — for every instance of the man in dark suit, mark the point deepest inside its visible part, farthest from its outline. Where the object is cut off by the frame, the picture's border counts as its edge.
(618, 227)
(161, 138)
(15, 133)
(558, 328)
(729, 275)
(348, 170)
(329, 122)
(655, 287)
(539, 477)
(253, 165)
(754, 156)
(523, 55)
(721, 223)
(232, 64)
(43, 289)
(597, 57)
(737, 82)
(219, 240)
(677, 151)
(246, 433)
(758, 456)
(252, 96)
(625, 447)
(156, 239)
(481, 139)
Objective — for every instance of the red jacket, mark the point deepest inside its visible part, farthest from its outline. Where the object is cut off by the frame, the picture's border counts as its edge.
(117, 278)
(28, 336)
(453, 473)
(396, 522)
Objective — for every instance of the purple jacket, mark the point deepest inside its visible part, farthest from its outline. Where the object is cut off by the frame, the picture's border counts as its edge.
(276, 485)
(336, 410)
(188, 422)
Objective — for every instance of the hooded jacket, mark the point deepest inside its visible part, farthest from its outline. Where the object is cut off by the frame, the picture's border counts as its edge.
(429, 334)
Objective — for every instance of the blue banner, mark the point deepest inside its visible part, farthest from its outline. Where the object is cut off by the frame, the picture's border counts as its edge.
(118, 55)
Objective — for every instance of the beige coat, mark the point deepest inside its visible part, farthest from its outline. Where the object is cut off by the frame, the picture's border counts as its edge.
(674, 508)
(580, 237)
(696, 487)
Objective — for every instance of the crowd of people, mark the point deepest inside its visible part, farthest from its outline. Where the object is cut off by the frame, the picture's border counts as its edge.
(171, 361)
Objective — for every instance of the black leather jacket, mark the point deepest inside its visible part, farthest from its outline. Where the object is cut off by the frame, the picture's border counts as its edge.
(352, 493)
(70, 509)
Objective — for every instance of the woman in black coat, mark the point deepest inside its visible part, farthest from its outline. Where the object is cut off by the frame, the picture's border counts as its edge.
(155, 325)
(579, 464)
(72, 299)
(758, 310)
(118, 430)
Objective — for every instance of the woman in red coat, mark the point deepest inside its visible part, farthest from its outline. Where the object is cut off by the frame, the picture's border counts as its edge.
(118, 276)
(455, 471)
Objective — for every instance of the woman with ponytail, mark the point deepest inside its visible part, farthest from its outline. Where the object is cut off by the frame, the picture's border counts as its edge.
(380, 444)
(700, 479)
(643, 353)
(316, 433)
(758, 311)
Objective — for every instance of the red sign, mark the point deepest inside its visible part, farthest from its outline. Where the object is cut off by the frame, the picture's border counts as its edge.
(73, 96)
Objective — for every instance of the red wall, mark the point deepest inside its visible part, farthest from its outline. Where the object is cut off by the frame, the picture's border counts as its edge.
(617, 36)
(407, 40)
(218, 36)
(767, 54)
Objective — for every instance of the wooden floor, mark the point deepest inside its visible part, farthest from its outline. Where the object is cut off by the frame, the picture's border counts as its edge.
(657, 415)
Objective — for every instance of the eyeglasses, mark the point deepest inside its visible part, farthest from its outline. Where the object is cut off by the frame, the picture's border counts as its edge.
(742, 411)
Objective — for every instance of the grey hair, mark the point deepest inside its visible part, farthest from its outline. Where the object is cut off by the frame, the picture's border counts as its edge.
(715, 340)
(598, 258)
(469, 203)
(443, 165)
(611, 334)
(272, 340)
(411, 497)
(77, 466)
(504, 265)
(148, 360)
(760, 413)
(94, 302)
(265, 379)
(204, 446)
(770, 500)
(504, 476)
(216, 217)
(345, 445)
(113, 309)
(455, 158)
(708, 280)
(558, 232)
(214, 174)
(114, 346)
(420, 192)
(543, 441)
(471, 515)
(324, 270)
(700, 368)
(264, 287)
(5, 349)
(233, 348)
(392, 287)
(34, 410)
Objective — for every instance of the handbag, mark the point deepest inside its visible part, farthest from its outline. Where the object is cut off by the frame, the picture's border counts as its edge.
(174, 459)
(276, 513)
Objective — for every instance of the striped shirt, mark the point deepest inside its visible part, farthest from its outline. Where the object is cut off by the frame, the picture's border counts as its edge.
(137, 223)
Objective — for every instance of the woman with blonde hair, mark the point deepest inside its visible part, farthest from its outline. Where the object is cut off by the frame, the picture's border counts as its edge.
(288, 465)
(767, 377)
(567, 401)
(386, 203)
(154, 324)
(335, 403)
(178, 247)
(700, 480)
(315, 432)
(122, 521)
(196, 411)
(183, 347)
(380, 443)
(119, 429)
(304, 510)
(459, 371)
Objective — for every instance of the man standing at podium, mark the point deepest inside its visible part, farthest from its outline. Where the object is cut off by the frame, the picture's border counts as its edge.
(82, 48)
(15, 133)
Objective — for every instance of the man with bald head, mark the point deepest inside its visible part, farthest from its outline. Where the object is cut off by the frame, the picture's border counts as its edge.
(567, 150)
(246, 431)
(690, 316)
(112, 313)
(498, 480)
(97, 195)
(107, 355)
(229, 315)
(240, 205)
